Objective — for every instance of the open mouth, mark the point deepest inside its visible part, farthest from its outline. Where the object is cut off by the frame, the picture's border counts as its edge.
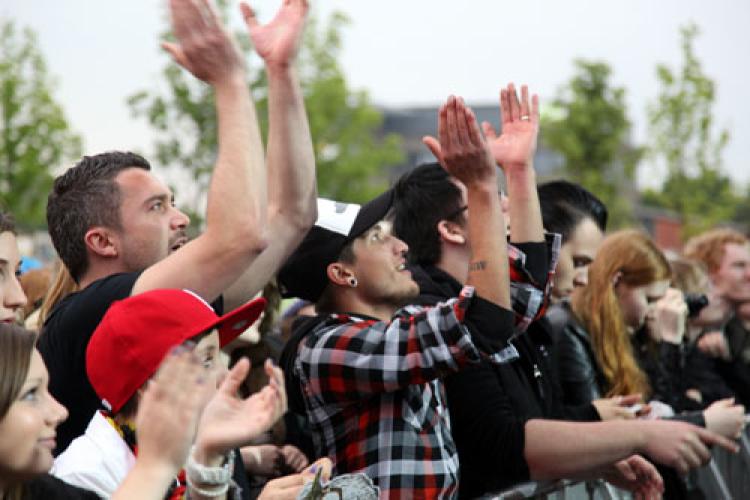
(179, 243)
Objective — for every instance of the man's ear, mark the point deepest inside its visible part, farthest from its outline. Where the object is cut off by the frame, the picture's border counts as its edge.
(339, 274)
(451, 232)
(101, 241)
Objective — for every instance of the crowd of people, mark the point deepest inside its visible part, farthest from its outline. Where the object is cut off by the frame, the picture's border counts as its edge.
(448, 339)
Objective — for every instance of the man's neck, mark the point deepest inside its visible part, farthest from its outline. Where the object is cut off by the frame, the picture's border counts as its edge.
(99, 271)
(350, 303)
(454, 265)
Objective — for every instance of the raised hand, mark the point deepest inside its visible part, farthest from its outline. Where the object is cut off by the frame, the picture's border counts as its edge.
(169, 409)
(515, 147)
(278, 41)
(666, 319)
(229, 422)
(203, 46)
(462, 150)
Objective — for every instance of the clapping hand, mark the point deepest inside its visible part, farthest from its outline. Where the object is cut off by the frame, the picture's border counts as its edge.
(514, 148)
(462, 150)
(230, 422)
(169, 410)
(203, 46)
(278, 41)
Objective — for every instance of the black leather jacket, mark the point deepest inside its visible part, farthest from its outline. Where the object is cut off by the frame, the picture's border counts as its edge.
(580, 377)
(583, 381)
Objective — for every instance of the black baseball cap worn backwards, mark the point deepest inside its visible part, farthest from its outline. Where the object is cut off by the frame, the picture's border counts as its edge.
(304, 274)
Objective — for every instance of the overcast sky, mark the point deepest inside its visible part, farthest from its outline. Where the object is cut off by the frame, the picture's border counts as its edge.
(414, 52)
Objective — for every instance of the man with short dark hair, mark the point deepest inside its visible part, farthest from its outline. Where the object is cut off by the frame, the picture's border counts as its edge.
(117, 231)
(367, 372)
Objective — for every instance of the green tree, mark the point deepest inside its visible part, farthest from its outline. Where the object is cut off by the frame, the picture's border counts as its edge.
(350, 154)
(34, 135)
(589, 127)
(682, 137)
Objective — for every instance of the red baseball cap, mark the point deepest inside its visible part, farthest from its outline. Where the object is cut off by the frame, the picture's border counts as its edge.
(136, 333)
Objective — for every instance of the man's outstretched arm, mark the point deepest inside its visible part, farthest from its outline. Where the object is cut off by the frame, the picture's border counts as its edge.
(513, 151)
(292, 193)
(236, 216)
(466, 156)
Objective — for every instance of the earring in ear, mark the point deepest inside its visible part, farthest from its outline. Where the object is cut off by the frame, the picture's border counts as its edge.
(353, 282)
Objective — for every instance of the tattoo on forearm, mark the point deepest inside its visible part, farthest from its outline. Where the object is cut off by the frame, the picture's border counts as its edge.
(478, 266)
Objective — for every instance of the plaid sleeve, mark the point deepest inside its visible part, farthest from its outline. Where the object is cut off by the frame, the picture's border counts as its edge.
(360, 357)
(529, 297)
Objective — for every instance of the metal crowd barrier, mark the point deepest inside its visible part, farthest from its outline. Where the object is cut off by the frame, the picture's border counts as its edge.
(726, 477)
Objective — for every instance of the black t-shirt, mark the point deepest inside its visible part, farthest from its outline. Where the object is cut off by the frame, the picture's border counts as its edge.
(46, 487)
(63, 344)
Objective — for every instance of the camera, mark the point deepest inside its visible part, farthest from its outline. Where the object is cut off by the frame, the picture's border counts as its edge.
(695, 303)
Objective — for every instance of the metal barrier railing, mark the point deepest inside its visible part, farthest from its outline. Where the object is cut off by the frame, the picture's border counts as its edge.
(726, 477)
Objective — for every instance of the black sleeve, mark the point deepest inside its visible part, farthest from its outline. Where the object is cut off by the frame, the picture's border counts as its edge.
(581, 413)
(666, 375)
(691, 417)
(701, 373)
(489, 437)
(491, 326)
(537, 259)
(736, 373)
(577, 371)
(239, 475)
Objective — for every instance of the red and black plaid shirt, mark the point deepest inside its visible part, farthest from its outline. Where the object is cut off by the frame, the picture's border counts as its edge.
(374, 399)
